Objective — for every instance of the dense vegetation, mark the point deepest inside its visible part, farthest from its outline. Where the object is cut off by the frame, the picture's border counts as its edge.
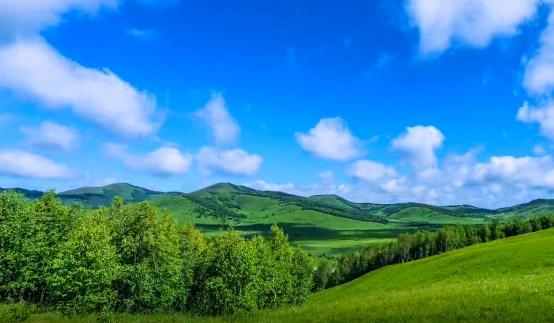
(419, 245)
(132, 258)
(507, 280)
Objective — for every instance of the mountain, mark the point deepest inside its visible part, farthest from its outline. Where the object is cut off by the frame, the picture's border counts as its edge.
(30, 194)
(321, 224)
(507, 280)
(104, 195)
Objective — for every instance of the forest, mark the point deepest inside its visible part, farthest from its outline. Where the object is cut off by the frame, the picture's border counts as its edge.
(132, 258)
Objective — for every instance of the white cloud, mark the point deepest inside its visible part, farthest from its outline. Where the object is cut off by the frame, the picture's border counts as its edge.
(533, 172)
(442, 23)
(216, 115)
(371, 172)
(544, 116)
(301, 190)
(539, 150)
(539, 73)
(25, 164)
(330, 139)
(142, 34)
(162, 161)
(231, 162)
(419, 144)
(34, 69)
(28, 17)
(51, 135)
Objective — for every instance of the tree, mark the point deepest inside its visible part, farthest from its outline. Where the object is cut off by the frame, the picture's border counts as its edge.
(17, 228)
(232, 279)
(85, 268)
(150, 255)
(52, 223)
(323, 274)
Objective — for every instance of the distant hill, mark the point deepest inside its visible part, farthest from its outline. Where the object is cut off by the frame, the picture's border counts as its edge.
(104, 195)
(326, 224)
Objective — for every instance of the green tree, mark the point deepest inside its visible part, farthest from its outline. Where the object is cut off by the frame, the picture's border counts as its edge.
(150, 254)
(85, 268)
(17, 254)
(52, 223)
(232, 278)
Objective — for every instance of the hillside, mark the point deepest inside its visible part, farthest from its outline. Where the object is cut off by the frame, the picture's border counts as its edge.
(486, 282)
(104, 195)
(322, 224)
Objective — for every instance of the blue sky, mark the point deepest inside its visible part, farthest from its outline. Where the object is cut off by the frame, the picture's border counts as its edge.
(381, 101)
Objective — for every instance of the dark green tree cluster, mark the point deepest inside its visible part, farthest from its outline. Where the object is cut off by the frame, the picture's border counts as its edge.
(419, 245)
(133, 258)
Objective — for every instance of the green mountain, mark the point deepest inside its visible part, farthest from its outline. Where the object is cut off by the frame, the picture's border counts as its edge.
(320, 224)
(30, 194)
(104, 195)
(507, 280)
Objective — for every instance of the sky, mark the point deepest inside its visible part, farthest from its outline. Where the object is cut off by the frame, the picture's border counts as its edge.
(435, 101)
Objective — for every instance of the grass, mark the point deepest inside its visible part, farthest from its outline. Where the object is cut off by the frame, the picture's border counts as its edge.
(510, 280)
(317, 231)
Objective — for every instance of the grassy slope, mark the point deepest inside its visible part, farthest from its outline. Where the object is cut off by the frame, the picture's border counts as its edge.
(506, 280)
(510, 280)
(325, 224)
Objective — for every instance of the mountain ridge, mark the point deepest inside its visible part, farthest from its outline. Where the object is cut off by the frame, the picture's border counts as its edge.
(95, 196)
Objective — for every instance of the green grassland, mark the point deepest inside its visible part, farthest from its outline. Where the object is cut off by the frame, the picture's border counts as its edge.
(509, 280)
(323, 225)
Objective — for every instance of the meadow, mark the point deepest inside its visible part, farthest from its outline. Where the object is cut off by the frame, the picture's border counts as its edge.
(509, 280)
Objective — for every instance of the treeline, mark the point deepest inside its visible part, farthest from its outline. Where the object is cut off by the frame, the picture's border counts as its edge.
(132, 258)
(419, 245)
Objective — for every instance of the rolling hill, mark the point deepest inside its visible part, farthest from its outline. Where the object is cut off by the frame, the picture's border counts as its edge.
(508, 280)
(322, 224)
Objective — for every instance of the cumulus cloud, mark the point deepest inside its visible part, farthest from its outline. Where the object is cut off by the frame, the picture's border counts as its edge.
(418, 144)
(216, 115)
(301, 190)
(379, 175)
(442, 23)
(21, 163)
(544, 116)
(534, 172)
(371, 172)
(51, 135)
(539, 73)
(28, 17)
(230, 162)
(162, 161)
(330, 139)
(34, 69)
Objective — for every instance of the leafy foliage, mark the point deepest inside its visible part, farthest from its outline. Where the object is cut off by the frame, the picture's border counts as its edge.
(133, 258)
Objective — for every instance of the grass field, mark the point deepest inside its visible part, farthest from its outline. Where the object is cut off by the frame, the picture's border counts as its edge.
(510, 280)
(318, 230)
